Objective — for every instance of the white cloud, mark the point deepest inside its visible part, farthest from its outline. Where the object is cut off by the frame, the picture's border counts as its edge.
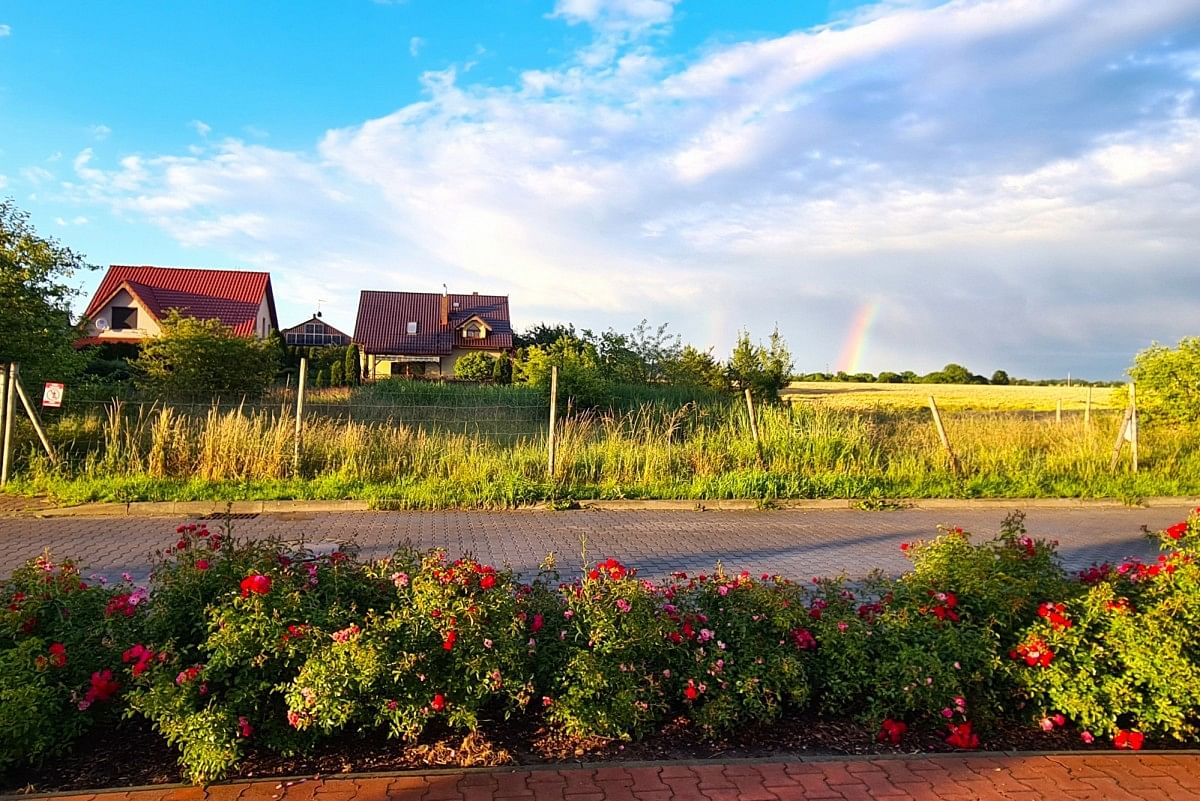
(415, 44)
(100, 132)
(1010, 178)
(3, 181)
(5, 30)
(200, 127)
(615, 14)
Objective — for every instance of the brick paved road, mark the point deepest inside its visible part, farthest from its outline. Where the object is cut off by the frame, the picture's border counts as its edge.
(1111, 777)
(795, 543)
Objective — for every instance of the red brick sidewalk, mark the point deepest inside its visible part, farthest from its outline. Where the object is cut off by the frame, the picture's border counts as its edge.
(1113, 777)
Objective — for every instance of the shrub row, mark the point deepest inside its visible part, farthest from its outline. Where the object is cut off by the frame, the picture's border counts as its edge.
(253, 644)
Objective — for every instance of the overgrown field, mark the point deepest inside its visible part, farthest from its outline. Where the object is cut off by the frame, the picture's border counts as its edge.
(488, 454)
(955, 397)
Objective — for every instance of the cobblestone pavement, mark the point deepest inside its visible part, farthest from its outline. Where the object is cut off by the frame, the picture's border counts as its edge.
(1113, 777)
(793, 543)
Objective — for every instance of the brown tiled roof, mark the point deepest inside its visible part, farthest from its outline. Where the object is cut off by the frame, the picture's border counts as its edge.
(231, 296)
(329, 329)
(383, 318)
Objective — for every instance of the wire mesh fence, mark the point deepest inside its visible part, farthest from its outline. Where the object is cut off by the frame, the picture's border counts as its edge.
(120, 427)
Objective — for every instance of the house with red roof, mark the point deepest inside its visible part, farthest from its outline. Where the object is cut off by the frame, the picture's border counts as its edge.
(423, 334)
(131, 302)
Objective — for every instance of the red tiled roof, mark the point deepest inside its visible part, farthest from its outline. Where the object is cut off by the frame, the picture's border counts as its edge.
(383, 318)
(231, 296)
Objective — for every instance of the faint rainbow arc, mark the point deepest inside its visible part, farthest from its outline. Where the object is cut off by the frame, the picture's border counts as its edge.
(856, 340)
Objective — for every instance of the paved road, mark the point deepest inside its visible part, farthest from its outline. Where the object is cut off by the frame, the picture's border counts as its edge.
(794, 543)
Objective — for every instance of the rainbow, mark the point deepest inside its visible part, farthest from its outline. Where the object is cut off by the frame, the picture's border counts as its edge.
(856, 341)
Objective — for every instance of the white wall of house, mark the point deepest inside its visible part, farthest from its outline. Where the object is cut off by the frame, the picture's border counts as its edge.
(147, 326)
(262, 327)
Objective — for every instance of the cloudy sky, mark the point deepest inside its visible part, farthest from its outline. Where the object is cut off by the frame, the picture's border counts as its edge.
(1006, 184)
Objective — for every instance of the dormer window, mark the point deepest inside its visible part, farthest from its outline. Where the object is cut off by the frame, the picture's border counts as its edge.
(473, 331)
(411, 330)
(124, 318)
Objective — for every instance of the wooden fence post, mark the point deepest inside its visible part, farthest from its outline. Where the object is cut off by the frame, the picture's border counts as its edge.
(1116, 454)
(550, 443)
(300, 384)
(3, 395)
(9, 402)
(754, 426)
(1133, 428)
(941, 431)
(33, 418)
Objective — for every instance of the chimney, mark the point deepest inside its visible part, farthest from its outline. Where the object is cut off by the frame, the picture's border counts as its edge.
(444, 308)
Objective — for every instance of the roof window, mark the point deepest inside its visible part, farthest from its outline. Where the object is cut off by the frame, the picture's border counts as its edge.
(412, 327)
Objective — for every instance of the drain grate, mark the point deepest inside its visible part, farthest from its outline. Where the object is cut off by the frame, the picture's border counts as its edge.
(233, 516)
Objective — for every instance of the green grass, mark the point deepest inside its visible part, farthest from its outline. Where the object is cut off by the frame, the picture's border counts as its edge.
(696, 452)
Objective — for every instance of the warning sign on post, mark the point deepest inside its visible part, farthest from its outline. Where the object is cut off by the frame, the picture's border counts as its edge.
(52, 395)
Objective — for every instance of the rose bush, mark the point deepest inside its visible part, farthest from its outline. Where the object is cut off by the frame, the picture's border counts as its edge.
(256, 645)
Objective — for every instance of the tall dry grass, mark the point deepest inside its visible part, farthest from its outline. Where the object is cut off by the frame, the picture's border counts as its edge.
(694, 451)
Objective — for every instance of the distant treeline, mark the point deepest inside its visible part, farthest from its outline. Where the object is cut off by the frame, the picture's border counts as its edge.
(950, 374)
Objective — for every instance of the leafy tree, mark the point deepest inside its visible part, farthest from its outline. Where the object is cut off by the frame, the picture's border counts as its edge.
(764, 369)
(544, 334)
(321, 381)
(35, 325)
(203, 357)
(1000, 378)
(695, 368)
(337, 374)
(475, 366)
(1168, 382)
(887, 377)
(579, 374)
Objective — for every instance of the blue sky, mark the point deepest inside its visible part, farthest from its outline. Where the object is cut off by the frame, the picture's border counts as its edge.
(1007, 184)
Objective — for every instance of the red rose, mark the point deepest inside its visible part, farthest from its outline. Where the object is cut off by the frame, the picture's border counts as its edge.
(961, 736)
(1128, 739)
(448, 642)
(257, 584)
(487, 581)
(536, 625)
(438, 703)
(202, 564)
(690, 692)
(58, 655)
(1177, 531)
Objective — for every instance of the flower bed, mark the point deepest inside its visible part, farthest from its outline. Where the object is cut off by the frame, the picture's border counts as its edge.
(249, 646)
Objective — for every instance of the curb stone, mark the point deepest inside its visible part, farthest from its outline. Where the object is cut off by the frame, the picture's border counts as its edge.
(199, 508)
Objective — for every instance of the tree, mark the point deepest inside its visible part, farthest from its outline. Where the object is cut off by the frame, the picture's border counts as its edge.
(765, 370)
(695, 368)
(476, 366)
(203, 357)
(351, 368)
(337, 374)
(35, 325)
(502, 369)
(579, 375)
(1168, 382)
(1000, 378)
(321, 381)
(544, 334)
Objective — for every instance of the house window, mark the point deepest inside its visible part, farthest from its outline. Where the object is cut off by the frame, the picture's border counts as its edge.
(312, 328)
(124, 318)
(473, 331)
(412, 328)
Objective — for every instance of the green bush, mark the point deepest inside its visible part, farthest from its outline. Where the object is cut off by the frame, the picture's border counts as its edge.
(1125, 655)
(60, 645)
(475, 366)
(1168, 382)
(203, 357)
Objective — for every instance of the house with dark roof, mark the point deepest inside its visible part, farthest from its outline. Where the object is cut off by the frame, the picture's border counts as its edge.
(423, 334)
(314, 332)
(131, 302)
